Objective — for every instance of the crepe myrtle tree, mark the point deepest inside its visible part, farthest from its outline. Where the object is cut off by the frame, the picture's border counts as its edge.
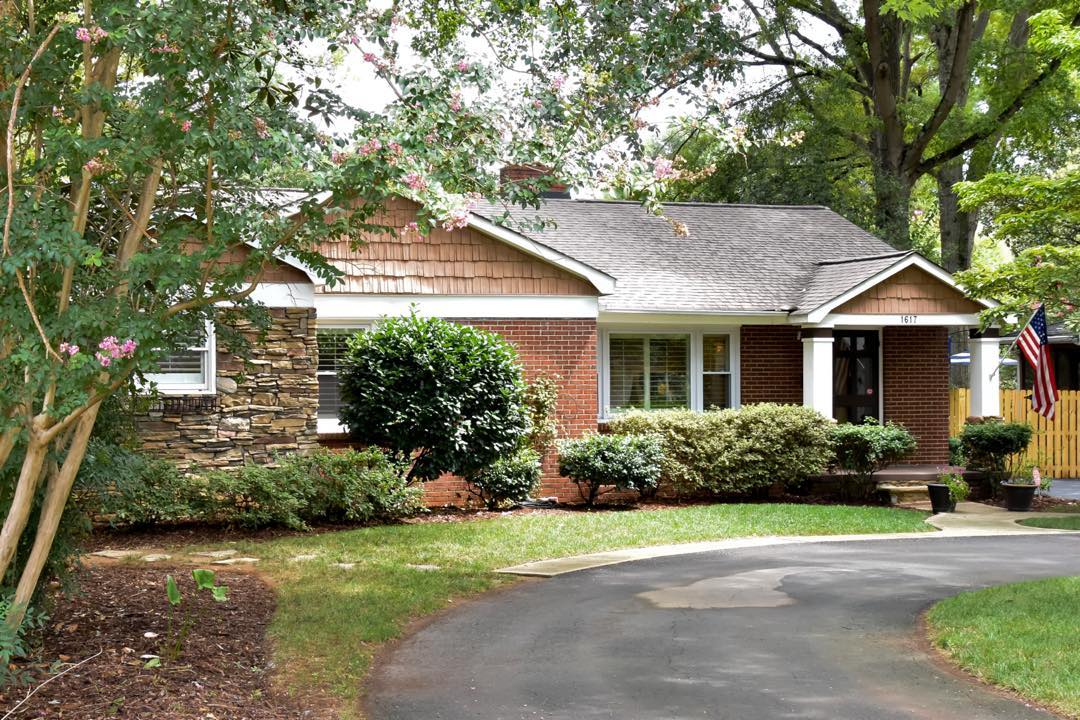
(136, 139)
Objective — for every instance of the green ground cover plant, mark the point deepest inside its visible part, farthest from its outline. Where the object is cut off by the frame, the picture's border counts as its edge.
(363, 586)
(1020, 636)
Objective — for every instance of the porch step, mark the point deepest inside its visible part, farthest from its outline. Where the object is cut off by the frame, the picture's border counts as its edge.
(904, 493)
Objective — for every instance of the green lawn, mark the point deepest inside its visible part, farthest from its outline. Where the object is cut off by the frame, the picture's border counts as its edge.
(1058, 523)
(330, 620)
(1022, 636)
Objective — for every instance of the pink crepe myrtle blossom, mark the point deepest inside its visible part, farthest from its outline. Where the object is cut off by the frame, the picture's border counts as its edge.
(105, 360)
(395, 148)
(93, 166)
(663, 169)
(110, 349)
(463, 66)
(371, 147)
(70, 349)
(557, 82)
(185, 126)
(262, 130)
(339, 157)
(537, 104)
(90, 35)
(430, 138)
(411, 227)
(455, 102)
(415, 181)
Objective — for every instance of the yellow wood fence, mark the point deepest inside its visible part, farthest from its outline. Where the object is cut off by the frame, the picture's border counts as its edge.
(1055, 445)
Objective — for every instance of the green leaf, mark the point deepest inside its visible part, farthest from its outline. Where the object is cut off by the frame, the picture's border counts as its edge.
(152, 663)
(204, 579)
(220, 593)
(172, 591)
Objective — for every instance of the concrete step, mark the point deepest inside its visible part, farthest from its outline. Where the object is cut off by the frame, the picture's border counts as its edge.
(906, 493)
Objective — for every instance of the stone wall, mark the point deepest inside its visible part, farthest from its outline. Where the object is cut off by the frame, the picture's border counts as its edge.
(263, 406)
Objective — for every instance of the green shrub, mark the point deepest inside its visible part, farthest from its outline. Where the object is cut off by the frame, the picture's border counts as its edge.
(989, 444)
(864, 449)
(956, 452)
(625, 462)
(354, 486)
(735, 451)
(447, 397)
(507, 480)
(127, 487)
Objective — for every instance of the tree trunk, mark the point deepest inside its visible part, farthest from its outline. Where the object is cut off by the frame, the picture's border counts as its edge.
(892, 207)
(52, 510)
(23, 500)
(957, 226)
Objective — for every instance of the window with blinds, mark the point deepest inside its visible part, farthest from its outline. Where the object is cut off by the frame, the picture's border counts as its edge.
(333, 349)
(649, 372)
(188, 371)
(715, 371)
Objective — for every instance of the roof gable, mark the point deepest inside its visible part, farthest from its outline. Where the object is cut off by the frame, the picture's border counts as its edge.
(912, 290)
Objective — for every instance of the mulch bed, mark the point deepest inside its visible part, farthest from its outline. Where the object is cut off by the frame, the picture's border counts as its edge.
(1041, 503)
(223, 670)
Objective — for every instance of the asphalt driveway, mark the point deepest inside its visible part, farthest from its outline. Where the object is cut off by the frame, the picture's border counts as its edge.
(799, 631)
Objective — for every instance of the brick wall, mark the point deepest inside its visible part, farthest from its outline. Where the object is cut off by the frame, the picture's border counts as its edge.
(916, 373)
(771, 366)
(265, 407)
(566, 348)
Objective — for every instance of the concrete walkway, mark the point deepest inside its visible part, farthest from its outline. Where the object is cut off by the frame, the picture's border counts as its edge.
(970, 520)
(822, 631)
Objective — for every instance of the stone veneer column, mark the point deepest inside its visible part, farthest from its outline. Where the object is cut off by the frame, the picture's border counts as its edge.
(264, 406)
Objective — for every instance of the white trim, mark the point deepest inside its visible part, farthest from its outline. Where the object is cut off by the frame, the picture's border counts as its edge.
(853, 321)
(330, 426)
(600, 280)
(366, 306)
(817, 315)
(208, 386)
(284, 295)
(725, 319)
(696, 333)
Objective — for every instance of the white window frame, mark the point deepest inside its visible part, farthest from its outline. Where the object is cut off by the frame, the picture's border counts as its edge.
(696, 334)
(167, 384)
(333, 426)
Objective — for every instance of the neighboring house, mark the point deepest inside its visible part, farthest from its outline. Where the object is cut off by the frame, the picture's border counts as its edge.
(756, 304)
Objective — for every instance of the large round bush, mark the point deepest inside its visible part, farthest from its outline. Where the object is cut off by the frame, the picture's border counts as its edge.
(447, 397)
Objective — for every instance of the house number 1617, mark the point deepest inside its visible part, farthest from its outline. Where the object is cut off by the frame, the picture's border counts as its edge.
(909, 319)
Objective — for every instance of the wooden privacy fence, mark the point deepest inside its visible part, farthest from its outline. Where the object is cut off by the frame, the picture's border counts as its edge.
(1055, 445)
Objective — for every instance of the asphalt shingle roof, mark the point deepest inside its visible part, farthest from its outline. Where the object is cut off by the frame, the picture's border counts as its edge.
(737, 258)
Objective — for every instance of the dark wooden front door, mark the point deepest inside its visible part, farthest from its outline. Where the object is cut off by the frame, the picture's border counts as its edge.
(855, 375)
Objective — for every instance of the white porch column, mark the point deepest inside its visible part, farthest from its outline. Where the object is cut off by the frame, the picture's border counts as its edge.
(818, 369)
(984, 350)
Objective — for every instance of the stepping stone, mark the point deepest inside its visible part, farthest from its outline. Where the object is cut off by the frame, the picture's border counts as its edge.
(425, 568)
(236, 561)
(304, 558)
(216, 553)
(345, 566)
(155, 558)
(117, 554)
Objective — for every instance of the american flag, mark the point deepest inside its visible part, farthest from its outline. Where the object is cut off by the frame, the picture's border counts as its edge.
(1035, 345)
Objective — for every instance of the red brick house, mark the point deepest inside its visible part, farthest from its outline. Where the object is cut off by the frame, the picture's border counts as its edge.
(757, 304)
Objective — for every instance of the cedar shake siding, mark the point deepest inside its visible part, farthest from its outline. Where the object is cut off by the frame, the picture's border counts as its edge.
(263, 407)
(566, 348)
(456, 262)
(911, 291)
(916, 373)
(771, 366)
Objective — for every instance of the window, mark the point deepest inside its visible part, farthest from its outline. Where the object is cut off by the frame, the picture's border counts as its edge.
(715, 371)
(333, 348)
(190, 371)
(695, 369)
(650, 371)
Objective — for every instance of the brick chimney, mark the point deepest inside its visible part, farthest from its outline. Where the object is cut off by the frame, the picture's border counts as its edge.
(517, 173)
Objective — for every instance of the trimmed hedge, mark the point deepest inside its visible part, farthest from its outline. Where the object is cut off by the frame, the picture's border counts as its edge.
(508, 480)
(735, 451)
(989, 444)
(625, 462)
(353, 486)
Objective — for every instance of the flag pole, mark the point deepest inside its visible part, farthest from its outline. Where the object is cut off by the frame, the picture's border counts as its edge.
(1005, 356)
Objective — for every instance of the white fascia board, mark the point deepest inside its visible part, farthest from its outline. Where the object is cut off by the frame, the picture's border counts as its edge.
(841, 320)
(623, 317)
(367, 306)
(284, 295)
(914, 259)
(603, 282)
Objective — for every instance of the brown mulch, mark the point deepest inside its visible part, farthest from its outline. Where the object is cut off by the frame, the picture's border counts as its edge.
(1041, 503)
(223, 670)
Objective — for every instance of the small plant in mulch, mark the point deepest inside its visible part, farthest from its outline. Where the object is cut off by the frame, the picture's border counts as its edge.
(180, 622)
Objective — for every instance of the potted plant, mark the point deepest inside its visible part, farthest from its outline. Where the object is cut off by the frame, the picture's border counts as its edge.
(1020, 488)
(950, 489)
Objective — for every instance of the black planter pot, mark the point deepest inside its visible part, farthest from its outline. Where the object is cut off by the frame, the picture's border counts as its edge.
(1018, 498)
(940, 498)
